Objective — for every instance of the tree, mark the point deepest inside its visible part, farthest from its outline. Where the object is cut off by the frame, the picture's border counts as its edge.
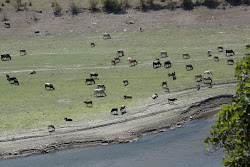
(232, 129)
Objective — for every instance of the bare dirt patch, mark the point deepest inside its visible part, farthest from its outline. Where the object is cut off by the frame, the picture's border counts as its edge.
(64, 101)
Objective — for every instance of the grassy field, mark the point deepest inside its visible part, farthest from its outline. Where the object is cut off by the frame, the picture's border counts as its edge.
(66, 60)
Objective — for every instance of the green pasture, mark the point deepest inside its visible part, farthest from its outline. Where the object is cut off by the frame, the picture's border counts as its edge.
(67, 60)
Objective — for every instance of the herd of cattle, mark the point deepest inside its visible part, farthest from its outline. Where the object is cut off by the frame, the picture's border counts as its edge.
(133, 62)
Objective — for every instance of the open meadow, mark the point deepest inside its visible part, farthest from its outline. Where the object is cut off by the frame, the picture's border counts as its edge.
(66, 60)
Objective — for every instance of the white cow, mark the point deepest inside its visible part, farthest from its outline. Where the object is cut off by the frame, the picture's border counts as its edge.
(99, 91)
(208, 72)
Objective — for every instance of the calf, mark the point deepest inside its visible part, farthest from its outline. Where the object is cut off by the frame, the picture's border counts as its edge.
(154, 96)
(114, 110)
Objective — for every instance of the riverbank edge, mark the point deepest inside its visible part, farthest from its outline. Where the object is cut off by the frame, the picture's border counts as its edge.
(194, 111)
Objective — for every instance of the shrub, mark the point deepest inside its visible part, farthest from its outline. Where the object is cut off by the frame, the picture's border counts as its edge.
(30, 3)
(187, 4)
(234, 2)
(93, 4)
(57, 8)
(142, 4)
(7, 1)
(2, 4)
(172, 5)
(150, 2)
(113, 5)
(211, 3)
(74, 8)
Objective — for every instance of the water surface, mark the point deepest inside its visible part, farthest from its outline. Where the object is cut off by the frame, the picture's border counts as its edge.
(181, 147)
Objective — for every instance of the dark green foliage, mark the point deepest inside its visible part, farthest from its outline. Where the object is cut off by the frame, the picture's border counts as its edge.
(114, 5)
(7, 1)
(232, 129)
(235, 2)
(187, 4)
(211, 3)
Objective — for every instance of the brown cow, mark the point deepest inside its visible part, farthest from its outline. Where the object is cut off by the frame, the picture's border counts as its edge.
(7, 25)
(230, 61)
(113, 62)
(33, 72)
(88, 102)
(133, 61)
(127, 97)
(198, 76)
(106, 36)
(220, 48)
(171, 100)
(207, 79)
(171, 74)
(101, 86)
(117, 59)
(185, 55)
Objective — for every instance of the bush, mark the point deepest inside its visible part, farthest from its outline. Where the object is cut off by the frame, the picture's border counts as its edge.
(150, 2)
(93, 4)
(114, 5)
(211, 3)
(187, 4)
(172, 5)
(7, 1)
(57, 8)
(142, 4)
(234, 2)
(74, 8)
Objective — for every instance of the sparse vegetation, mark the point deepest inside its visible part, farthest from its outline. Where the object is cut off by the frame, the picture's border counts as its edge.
(114, 5)
(19, 6)
(93, 4)
(75, 9)
(57, 9)
(211, 3)
(172, 5)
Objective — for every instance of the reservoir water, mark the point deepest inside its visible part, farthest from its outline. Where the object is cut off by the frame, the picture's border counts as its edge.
(180, 147)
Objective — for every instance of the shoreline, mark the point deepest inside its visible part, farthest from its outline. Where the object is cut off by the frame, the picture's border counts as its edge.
(155, 118)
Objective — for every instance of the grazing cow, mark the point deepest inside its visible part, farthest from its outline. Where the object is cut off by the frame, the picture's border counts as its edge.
(185, 55)
(99, 91)
(208, 72)
(154, 96)
(167, 64)
(23, 51)
(220, 48)
(93, 74)
(140, 29)
(171, 100)
(51, 128)
(117, 59)
(125, 82)
(164, 83)
(89, 80)
(120, 52)
(5, 57)
(123, 109)
(230, 52)
(101, 86)
(68, 119)
(92, 44)
(198, 76)
(133, 61)
(10, 78)
(127, 97)
(15, 82)
(171, 74)
(209, 53)
(216, 58)
(88, 102)
(114, 110)
(166, 89)
(33, 72)
(230, 61)
(113, 62)
(156, 64)
(207, 79)
(49, 85)
(106, 36)
(164, 54)
(7, 25)
(189, 67)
